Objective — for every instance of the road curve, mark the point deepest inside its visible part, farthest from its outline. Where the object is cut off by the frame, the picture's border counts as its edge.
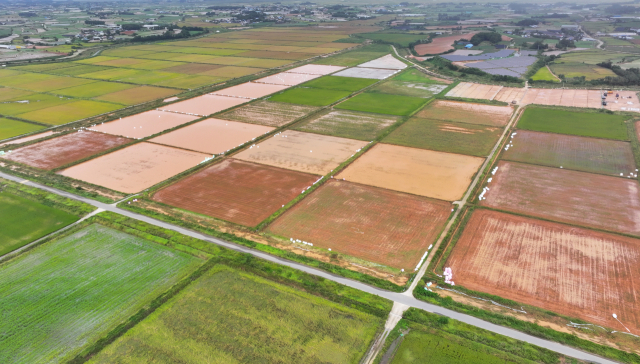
(393, 296)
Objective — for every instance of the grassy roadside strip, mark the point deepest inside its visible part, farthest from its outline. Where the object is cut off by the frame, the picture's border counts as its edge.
(527, 327)
(634, 134)
(460, 333)
(476, 101)
(73, 207)
(317, 286)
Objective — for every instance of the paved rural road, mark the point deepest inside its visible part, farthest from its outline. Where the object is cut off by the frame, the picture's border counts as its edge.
(396, 297)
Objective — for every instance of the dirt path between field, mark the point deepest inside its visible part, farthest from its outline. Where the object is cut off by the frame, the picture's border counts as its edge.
(461, 204)
(553, 74)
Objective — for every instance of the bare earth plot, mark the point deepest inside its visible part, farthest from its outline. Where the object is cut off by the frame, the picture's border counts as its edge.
(349, 124)
(135, 168)
(571, 98)
(268, 113)
(585, 199)
(204, 105)
(444, 176)
(474, 91)
(250, 90)
(56, 152)
(316, 69)
(304, 152)
(370, 223)
(237, 191)
(144, 124)
(287, 78)
(362, 72)
(385, 62)
(213, 136)
(510, 94)
(466, 112)
(564, 269)
(440, 44)
(572, 152)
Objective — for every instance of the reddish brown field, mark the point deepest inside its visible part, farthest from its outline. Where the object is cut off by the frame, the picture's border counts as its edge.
(204, 105)
(604, 202)
(441, 44)
(374, 224)
(57, 152)
(250, 90)
(144, 124)
(237, 191)
(572, 271)
(287, 78)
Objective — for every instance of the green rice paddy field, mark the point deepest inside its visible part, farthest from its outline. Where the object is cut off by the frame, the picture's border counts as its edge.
(79, 287)
(24, 221)
(309, 96)
(383, 104)
(10, 128)
(228, 316)
(543, 74)
(590, 124)
(469, 139)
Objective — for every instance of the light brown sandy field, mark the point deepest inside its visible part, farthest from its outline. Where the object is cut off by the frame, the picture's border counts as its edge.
(212, 136)
(441, 44)
(205, 105)
(572, 271)
(250, 90)
(466, 112)
(585, 199)
(268, 113)
(304, 152)
(444, 176)
(316, 69)
(135, 168)
(144, 124)
(287, 79)
(57, 152)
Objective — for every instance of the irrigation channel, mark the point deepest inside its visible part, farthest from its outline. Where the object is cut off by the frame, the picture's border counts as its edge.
(405, 299)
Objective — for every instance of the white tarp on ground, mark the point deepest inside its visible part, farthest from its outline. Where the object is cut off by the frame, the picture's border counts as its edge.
(386, 62)
(362, 72)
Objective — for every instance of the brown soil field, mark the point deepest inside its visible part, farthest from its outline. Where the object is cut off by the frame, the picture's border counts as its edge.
(204, 105)
(56, 152)
(304, 152)
(586, 199)
(28, 138)
(144, 124)
(441, 44)
(440, 175)
(269, 113)
(465, 112)
(571, 98)
(316, 69)
(213, 136)
(572, 271)
(237, 191)
(135, 168)
(573, 152)
(475, 91)
(250, 90)
(287, 79)
(374, 224)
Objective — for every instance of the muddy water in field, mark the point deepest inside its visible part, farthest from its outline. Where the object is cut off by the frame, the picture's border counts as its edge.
(268, 113)
(304, 152)
(609, 203)
(440, 175)
(240, 192)
(135, 168)
(56, 152)
(144, 124)
(572, 271)
(205, 105)
(287, 78)
(316, 69)
(212, 136)
(250, 90)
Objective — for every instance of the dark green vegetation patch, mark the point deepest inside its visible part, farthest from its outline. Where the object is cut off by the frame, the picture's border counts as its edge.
(470, 139)
(23, 221)
(383, 104)
(340, 83)
(591, 124)
(310, 96)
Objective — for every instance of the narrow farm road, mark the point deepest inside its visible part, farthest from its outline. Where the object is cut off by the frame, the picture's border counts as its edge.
(393, 296)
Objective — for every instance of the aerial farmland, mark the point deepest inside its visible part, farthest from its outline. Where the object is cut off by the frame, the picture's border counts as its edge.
(318, 183)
